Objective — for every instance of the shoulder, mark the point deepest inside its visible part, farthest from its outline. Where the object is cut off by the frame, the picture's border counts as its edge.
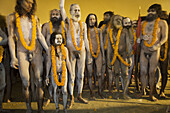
(45, 25)
(11, 17)
(163, 22)
(66, 49)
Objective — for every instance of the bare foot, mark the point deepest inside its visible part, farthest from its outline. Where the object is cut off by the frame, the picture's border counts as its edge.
(153, 98)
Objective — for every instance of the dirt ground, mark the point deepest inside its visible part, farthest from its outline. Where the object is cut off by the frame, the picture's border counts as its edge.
(107, 105)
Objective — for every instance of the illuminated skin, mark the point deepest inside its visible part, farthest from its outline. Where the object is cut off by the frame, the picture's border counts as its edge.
(54, 14)
(76, 56)
(128, 25)
(58, 41)
(150, 55)
(104, 68)
(22, 61)
(99, 61)
(3, 42)
(124, 50)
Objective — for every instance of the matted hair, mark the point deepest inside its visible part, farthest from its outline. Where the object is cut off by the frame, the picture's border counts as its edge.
(72, 6)
(19, 9)
(87, 19)
(52, 37)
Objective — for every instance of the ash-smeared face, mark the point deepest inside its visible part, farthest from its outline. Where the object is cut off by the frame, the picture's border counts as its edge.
(27, 5)
(117, 21)
(152, 15)
(106, 18)
(92, 20)
(75, 12)
(58, 39)
(127, 23)
(55, 15)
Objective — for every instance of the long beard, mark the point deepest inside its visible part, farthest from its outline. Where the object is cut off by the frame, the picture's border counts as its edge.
(151, 17)
(76, 19)
(56, 21)
(106, 21)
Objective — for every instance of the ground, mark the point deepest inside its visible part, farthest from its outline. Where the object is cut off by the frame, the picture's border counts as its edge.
(108, 105)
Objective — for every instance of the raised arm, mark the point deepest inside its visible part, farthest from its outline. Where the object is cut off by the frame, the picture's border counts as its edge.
(11, 40)
(4, 38)
(63, 12)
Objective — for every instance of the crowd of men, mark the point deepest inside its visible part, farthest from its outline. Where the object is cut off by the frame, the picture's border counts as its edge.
(64, 48)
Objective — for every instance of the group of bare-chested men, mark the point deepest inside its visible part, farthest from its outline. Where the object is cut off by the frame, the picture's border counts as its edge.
(72, 46)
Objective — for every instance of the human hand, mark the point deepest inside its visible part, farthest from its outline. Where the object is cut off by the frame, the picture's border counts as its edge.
(155, 47)
(14, 63)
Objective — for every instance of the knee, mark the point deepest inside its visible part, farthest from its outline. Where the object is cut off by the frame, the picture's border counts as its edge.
(80, 78)
(99, 75)
(38, 82)
(26, 84)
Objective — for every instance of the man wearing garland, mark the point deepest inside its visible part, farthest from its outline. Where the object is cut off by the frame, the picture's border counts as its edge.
(120, 47)
(23, 24)
(3, 42)
(105, 29)
(60, 59)
(97, 53)
(54, 25)
(154, 34)
(77, 43)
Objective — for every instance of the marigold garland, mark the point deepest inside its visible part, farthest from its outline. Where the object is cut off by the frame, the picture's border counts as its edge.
(165, 53)
(18, 25)
(102, 27)
(134, 36)
(63, 30)
(116, 54)
(53, 58)
(98, 43)
(72, 35)
(154, 34)
(107, 39)
(1, 53)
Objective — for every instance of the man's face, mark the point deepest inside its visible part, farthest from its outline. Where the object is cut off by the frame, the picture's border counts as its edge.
(106, 18)
(151, 12)
(152, 15)
(127, 22)
(58, 39)
(117, 22)
(27, 5)
(75, 13)
(134, 23)
(55, 15)
(92, 20)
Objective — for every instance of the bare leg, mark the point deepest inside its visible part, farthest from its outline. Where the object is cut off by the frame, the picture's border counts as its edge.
(25, 77)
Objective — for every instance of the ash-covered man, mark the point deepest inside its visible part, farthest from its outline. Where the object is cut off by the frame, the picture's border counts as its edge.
(78, 44)
(24, 25)
(3, 42)
(54, 25)
(154, 34)
(97, 53)
(105, 27)
(59, 62)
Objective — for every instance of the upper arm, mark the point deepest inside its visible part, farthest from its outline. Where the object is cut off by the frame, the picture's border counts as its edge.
(11, 26)
(164, 29)
(63, 12)
(44, 30)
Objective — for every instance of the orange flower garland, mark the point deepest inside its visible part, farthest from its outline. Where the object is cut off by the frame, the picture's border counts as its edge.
(18, 25)
(62, 27)
(116, 54)
(98, 43)
(134, 36)
(107, 39)
(165, 53)
(72, 35)
(54, 65)
(154, 33)
(1, 53)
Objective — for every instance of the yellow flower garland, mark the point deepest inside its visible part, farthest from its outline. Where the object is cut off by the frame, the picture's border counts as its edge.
(1, 53)
(116, 54)
(154, 33)
(166, 50)
(98, 43)
(102, 27)
(134, 35)
(62, 27)
(54, 65)
(18, 25)
(107, 39)
(72, 35)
